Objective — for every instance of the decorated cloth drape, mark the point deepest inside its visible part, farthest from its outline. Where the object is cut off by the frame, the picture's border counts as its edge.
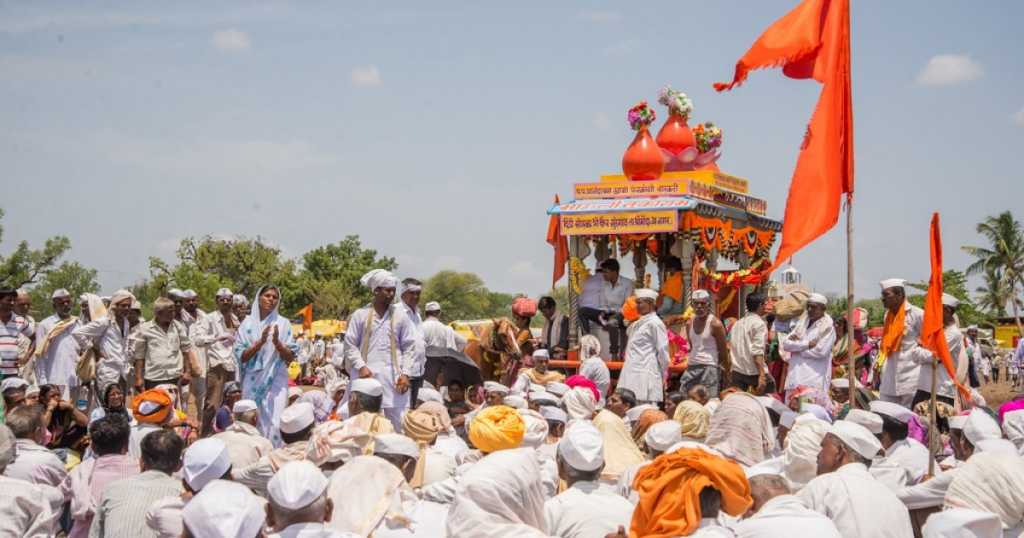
(933, 335)
(812, 41)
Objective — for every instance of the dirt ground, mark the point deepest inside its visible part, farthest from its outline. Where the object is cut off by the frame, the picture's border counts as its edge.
(997, 393)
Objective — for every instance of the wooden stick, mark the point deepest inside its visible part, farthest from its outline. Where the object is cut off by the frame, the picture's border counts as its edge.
(849, 302)
(933, 426)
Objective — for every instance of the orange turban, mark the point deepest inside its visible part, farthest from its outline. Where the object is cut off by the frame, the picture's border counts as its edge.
(152, 406)
(495, 428)
(670, 487)
(647, 419)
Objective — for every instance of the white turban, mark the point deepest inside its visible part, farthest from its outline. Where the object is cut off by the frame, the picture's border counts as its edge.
(800, 457)
(501, 495)
(379, 278)
(240, 300)
(60, 293)
(645, 293)
(579, 403)
(857, 437)
(700, 295)
(817, 298)
(1013, 427)
(980, 426)
(950, 301)
(189, 294)
(224, 292)
(224, 509)
(494, 386)
(536, 428)
(205, 461)
(990, 482)
(432, 306)
(382, 498)
(121, 295)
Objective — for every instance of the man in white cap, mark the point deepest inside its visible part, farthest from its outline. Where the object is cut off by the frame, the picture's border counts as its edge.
(900, 351)
(240, 303)
(538, 374)
(162, 350)
(962, 523)
(190, 312)
(901, 449)
(214, 336)
(748, 339)
(586, 508)
(108, 333)
(398, 450)
(441, 342)
(646, 358)
(945, 388)
(409, 302)
(224, 510)
(966, 433)
(365, 397)
(298, 503)
(777, 513)
(710, 361)
(26, 509)
(381, 342)
(845, 491)
(245, 443)
(810, 349)
(57, 351)
(297, 423)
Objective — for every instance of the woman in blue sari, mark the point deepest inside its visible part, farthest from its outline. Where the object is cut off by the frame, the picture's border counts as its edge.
(264, 348)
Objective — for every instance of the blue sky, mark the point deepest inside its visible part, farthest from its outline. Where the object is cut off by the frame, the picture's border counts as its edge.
(440, 134)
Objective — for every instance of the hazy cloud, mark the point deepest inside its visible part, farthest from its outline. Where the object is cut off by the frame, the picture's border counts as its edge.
(366, 76)
(231, 40)
(948, 69)
(1018, 118)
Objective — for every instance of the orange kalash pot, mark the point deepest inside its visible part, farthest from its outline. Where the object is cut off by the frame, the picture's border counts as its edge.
(643, 159)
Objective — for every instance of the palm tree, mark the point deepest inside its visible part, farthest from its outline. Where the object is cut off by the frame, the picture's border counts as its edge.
(1003, 258)
(993, 296)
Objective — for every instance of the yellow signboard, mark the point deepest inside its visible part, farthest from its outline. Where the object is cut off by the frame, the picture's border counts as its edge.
(707, 177)
(712, 192)
(624, 222)
(1008, 335)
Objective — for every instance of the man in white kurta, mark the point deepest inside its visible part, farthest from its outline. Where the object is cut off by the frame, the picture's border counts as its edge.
(900, 449)
(410, 299)
(646, 358)
(57, 350)
(845, 491)
(108, 332)
(587, 508)
(777, 513)
(380, 341)
(902, 364)
(810, 348)
(945, 389)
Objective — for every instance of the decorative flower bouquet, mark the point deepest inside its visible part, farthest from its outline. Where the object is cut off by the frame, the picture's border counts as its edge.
(708, 136)
(640, 116)
(676, 101)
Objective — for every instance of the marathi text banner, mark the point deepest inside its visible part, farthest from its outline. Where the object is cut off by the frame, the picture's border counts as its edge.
(620, 223)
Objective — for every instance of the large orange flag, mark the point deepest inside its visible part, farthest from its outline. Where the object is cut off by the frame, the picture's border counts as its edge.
(933, 335)
(812, 41)
(307, 316)
(561, 246)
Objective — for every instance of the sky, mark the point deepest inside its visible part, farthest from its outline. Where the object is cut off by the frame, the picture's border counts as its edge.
(439, 132)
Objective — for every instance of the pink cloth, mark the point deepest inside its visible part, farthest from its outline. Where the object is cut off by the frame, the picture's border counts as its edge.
(581, 381)
(524, 307)
(85, 484)
(1012, 405)
(917, 430)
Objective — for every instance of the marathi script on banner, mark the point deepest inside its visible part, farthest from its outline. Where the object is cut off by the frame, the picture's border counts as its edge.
(624, 222)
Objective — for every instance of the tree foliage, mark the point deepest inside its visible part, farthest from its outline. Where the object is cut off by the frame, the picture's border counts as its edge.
(954, 283)
(71, 276)
(464, 296)
(26, 266)
(1001, 262)
(330, 276)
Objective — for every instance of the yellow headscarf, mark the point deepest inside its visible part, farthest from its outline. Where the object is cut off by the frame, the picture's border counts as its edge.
(497, 428)
(423, 428)
(694, 418)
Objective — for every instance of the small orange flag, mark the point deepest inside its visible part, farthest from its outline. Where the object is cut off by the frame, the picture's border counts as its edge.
(307, 316)
(933, 332)
(561, 246)
(812, 41)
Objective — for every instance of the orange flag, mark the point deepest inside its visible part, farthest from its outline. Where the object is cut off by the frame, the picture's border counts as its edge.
(933, 335)
(307, 316)
(812, 41)
(561, 246)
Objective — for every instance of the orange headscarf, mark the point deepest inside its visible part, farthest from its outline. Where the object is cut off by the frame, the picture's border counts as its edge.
(892, 331)
(670, 487)
(152, 406)
(644, 422)
(495, 428)
(672, 287)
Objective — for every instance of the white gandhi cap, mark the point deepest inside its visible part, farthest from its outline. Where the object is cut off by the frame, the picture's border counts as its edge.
(856, 437)
(296, 485)
(582, 447)
(662, 435)
(366, 385)
(395, 444)
(224, 510)
(296, 417)
(206, 460)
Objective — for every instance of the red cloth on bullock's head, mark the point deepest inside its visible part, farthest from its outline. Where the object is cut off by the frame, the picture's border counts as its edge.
(524, 307)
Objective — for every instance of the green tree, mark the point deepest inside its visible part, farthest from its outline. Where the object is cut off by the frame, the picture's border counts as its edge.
(993, 295)
(954, 283)
(68, 275)
(463, 296)
(876, 311)
(26, 266)
(330, 275)
(1004, 255)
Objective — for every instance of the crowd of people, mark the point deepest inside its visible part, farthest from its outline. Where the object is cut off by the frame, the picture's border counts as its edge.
(190, 425)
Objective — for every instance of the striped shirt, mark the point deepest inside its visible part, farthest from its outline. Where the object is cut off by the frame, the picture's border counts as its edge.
(9, 333)
(121, 512)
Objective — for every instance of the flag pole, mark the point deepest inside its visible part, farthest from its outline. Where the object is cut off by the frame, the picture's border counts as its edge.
(852, 362)
(933, 428)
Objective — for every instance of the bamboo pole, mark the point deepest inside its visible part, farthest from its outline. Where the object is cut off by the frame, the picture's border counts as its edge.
(933, 427)
(852, 363)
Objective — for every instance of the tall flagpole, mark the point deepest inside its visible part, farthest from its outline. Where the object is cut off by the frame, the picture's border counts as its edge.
(849, 301)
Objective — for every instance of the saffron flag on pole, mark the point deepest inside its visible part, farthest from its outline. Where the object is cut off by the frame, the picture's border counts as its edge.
(933, 330)
(307, 316)
(812, 41)
(561, 246)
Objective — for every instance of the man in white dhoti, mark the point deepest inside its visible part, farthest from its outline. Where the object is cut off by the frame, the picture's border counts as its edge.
(810, 348)
(778, 514)
(646, 359)
(56, 350)
(845, 491)
(710, 361)
(381, 342)
(586, 508)
(900, 352)
(899, 448)
(409, 302)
